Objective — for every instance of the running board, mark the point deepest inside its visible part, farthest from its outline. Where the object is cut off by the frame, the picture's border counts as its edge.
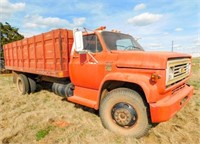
(82, 101)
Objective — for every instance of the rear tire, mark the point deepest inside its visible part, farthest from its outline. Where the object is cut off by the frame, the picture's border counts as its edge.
(22, 84)
(32, 84)
(124, 112)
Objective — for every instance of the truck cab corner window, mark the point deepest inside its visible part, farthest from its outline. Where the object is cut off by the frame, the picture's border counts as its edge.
(92, 43)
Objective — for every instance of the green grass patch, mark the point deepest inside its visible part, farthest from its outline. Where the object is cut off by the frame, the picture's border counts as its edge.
(43, 132)
(195, 64)
(198, 103)
(196, 60)
(195, 83)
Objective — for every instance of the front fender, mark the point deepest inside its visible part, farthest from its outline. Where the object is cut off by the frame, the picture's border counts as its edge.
(139, 79)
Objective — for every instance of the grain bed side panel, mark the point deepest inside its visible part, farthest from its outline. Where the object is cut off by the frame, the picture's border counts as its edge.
(44, 54)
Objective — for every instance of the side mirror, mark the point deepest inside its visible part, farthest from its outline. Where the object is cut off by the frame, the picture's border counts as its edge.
(78, 40)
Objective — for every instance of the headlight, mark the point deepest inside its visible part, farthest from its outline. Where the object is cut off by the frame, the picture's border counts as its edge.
(169, 74)
(188, 68)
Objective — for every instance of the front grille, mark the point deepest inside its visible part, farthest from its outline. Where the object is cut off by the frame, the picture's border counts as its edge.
(179, 70)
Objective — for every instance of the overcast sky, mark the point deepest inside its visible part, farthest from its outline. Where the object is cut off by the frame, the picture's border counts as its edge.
(156, 23)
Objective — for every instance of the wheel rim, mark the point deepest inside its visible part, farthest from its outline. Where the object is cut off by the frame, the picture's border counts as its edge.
(20, 86)
(124, 115)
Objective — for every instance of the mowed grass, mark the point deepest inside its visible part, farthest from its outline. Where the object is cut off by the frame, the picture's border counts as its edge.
(43, 118)
(195, 79)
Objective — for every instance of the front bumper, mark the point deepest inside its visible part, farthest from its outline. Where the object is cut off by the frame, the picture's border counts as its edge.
(165, 108)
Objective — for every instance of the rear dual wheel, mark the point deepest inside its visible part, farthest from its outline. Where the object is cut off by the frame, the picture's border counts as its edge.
(32, 85)
(124, 112)
(22, 84)
(25, 84)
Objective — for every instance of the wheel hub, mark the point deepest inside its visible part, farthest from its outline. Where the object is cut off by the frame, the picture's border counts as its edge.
(124, 114)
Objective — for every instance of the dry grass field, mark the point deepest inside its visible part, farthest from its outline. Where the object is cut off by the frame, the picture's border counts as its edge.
(44, 118)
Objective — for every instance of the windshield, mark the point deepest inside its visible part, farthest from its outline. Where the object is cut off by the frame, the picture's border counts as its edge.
(119, 41)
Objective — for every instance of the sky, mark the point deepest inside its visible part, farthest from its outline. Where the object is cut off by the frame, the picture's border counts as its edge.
(155, 23)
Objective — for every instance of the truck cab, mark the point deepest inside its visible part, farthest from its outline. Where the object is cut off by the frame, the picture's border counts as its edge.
(130, 86)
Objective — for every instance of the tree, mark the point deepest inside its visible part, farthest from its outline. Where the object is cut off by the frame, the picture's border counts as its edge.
(8, 34)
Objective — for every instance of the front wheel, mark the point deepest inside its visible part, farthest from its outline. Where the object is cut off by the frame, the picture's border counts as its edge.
(123, 112)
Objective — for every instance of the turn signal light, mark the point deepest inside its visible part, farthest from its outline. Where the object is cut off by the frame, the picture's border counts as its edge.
(155, 77)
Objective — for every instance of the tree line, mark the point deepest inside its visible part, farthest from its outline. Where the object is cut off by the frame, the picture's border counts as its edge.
(8, 34)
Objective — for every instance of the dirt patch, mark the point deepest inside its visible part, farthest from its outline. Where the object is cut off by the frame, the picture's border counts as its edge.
(43, 117)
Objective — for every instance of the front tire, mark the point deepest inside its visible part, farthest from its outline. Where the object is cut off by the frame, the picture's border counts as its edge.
(124, 112)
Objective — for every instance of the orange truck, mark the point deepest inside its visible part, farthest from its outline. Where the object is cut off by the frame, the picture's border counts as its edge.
(107, 71)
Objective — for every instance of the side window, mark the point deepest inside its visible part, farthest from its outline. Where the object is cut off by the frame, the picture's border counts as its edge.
(92, 44)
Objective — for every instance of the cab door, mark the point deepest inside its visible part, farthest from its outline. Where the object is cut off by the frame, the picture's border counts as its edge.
(87, 68)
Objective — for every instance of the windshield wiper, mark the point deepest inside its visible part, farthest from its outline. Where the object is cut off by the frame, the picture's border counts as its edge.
(120, 46)
(132, 47)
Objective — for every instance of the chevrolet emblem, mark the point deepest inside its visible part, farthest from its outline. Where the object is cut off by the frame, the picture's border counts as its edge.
(182, 70)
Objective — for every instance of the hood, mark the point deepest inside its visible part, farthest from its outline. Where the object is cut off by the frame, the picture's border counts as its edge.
(145, 60)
